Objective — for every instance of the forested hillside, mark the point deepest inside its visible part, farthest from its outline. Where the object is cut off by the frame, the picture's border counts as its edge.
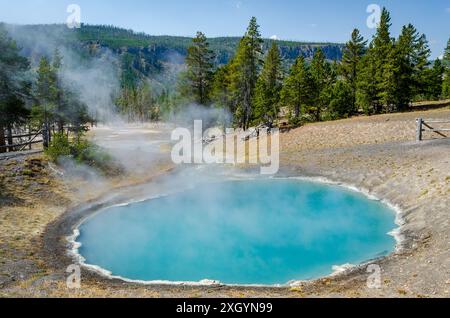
(150, 53)
(223, 47)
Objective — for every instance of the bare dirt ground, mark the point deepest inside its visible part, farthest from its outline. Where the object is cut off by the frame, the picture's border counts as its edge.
(377, 153)
(380, 154)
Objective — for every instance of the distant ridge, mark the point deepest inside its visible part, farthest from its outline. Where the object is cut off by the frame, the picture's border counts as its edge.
(151, 54)
(117, 38)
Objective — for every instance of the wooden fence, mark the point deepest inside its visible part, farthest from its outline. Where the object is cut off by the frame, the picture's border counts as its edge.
(22, 141)
(424, 125)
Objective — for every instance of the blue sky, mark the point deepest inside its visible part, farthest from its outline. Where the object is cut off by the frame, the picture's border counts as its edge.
(310, 20)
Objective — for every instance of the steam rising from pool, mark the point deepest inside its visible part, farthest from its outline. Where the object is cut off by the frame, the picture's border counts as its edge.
(266, 232)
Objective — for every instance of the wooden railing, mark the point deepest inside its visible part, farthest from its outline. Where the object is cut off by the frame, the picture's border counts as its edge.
(17, 143)
(423, 125)
(20, 138)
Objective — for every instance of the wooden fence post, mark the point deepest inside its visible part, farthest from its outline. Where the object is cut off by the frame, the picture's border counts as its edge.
(29, 137)
(2, 140)
(9, 137)
(45, 136)
(419, 129)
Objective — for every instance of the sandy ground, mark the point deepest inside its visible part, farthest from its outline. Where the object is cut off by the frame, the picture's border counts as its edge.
(378, 154)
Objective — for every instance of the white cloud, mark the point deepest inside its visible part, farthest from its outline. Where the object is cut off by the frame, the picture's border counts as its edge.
(441, 57)
(274, 37)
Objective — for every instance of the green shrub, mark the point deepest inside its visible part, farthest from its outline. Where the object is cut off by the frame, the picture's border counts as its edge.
(59, 147)
(294, 121)
(83, 152)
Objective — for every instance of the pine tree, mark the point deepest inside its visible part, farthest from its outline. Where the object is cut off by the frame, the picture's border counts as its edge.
(254, 50)
(144, 102)
(129, 77)
(384, 59)
(220, 90)
(61, 103)
(46, 92)
(200, 63)
(341, 95)
(421, 64)
(411, 67)
(446, 63)
(14, 87)
(446, 58)
(366, 84)
(352, 55)
(268, 87)
(56, 101)
(322, 76)
(297, 89)
(57, 60)
(244, 71)
(405, 72)
(47, 95)
(433, 80)
(164, 104)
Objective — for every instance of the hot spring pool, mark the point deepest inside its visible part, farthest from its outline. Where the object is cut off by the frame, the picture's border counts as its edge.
(239, 232)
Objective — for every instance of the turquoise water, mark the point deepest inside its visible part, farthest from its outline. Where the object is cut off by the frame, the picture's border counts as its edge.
(240, 232)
